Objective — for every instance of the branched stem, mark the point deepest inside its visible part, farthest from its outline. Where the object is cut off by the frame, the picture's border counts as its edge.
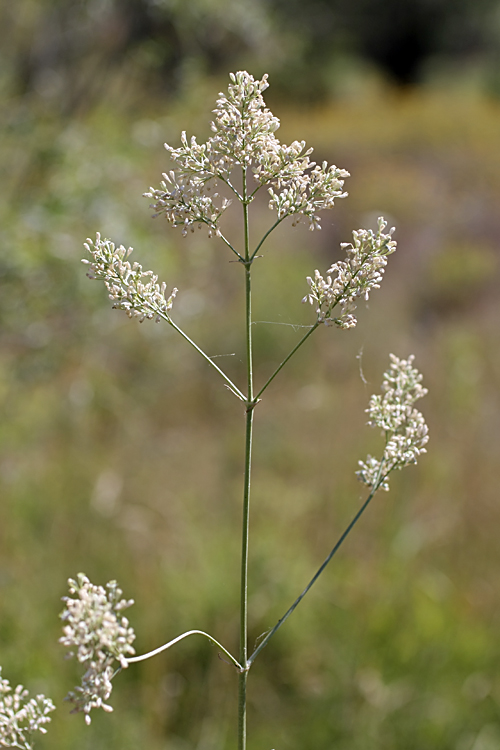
(276, 223)
(165, 646)
(226, 241)
(313, 580)
(229, 382)
(302, 340)
(228, 182)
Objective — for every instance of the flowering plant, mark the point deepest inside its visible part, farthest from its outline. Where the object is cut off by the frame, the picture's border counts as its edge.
(244, 155)
(242, 150)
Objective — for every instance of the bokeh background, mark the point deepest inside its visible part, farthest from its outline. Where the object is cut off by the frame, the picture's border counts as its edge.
(121, 452)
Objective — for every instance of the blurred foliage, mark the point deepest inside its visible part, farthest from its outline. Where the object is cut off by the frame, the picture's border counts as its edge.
(121, 453)
(73, 53)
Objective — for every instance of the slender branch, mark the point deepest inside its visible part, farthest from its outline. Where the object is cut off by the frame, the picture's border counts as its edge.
(230, 186)
(302, 340)
(252, 194)
(229, 382)
(211, 226)
(156, 651)
(278, 221)
(231, 247)
(314, 578)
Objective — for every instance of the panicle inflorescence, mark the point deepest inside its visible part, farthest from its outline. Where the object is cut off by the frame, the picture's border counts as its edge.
(21, 716)
(244, 136)
(185, 201)
(405, 430)
(243, 126)
(130, 288)
(355, 276)
(306, 194)
(101, 635)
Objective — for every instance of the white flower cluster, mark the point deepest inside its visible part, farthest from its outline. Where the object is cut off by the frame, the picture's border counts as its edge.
(130, 288)
(20, 715)
(306, 194)
(355, 276)
(244, 136)
(94, 625)
(404, 426)
(243, 126)
(184, 202)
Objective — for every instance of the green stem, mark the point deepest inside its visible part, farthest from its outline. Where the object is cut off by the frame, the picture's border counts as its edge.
(242, 682)
(227, 182)
(287, 614)
(302, 340)
(278, 221)
(224, 239)
(229, 382)
(156, 651)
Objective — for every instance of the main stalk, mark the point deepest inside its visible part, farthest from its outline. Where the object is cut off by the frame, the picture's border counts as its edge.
(242, 682)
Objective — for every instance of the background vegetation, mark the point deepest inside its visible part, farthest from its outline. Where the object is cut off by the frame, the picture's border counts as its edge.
(121, 453)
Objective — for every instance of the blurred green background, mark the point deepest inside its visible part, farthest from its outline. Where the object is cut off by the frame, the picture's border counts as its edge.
(121, 453)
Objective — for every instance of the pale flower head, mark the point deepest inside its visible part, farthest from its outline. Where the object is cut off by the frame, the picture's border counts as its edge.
(404, 427)
(244, 139)
(130, 288)
(21, 716)
(100, 636)
(334, 298)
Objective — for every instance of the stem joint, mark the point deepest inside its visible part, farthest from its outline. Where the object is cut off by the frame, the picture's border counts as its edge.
(252, 404)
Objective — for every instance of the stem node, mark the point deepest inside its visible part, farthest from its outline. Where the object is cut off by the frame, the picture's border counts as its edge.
(252, 404)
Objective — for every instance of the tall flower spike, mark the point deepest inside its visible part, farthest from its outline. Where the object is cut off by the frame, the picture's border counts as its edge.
(244, 138)
(404, 427)
(130, 288)
(355, 277)
(21, 716)
(95, 627)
